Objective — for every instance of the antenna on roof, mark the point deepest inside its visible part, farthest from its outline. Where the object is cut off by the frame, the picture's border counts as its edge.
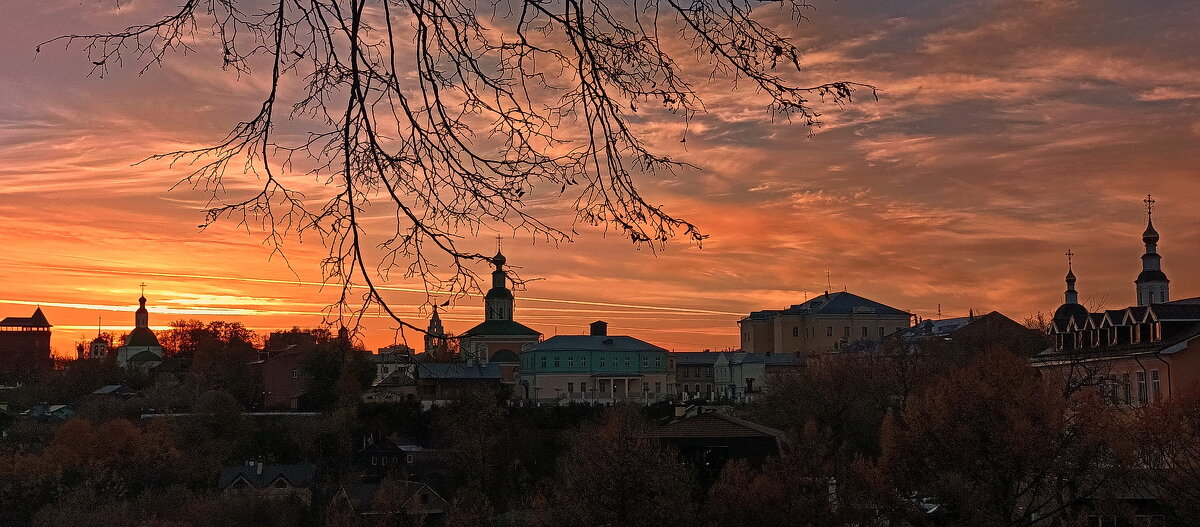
(99, 322)
(828, 285)
(939, 311)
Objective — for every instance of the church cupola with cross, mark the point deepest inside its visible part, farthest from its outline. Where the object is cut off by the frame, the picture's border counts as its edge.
(1152, 283)
(498, 303)
(1071, 307)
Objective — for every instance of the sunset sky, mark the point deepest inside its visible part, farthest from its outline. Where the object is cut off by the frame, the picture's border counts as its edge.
(1005, 133)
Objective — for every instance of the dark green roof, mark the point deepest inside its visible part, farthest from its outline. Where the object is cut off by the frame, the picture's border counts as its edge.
(145, 356)
(500, 327)
(499, 292)
(142, 337)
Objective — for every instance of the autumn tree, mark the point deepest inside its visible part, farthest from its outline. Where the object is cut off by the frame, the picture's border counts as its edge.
(451, 117)
(995, 445)
(808, 484)
(1169, 448)
(613, 473)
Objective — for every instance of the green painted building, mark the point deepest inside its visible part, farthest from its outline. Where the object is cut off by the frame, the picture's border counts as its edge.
(596, 367)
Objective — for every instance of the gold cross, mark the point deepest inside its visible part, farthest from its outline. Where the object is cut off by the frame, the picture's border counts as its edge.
(1070, 253)
(1149, 201)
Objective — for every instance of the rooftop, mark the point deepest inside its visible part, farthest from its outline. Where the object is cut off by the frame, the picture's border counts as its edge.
(839, 303)
(37, 320)
(594, 343)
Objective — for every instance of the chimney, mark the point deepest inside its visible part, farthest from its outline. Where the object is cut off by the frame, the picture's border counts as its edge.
(598, 328)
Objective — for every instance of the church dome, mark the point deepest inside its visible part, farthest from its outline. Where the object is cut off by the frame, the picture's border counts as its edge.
(1150, 236)
(142, 337)
(499, 259)
(504, 355)
(1068, 311)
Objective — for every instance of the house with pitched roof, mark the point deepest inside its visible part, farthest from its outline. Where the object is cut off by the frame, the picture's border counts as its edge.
(832, 321)
(709, 440)
(256, 478)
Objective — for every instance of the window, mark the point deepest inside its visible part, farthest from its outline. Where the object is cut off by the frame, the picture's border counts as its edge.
(570, 387)
(543, 362)
(601, 362)
(795, 331)
(1128, 388)
(846, 332)
(583, 361)
(385, 370)
(408, 459)
(583, 387)
(881, 332)
(828, 331)
(1102, 521)
(374, 461)
(295, 373)
(626, 362)
(570, 362)
(658, 387)
(555, 362)
(1162, 296)
(603, 386)
(864, 332)
(657, 362)
(1155, 385)
(697, 387)
(1141, 387)
(645, 362)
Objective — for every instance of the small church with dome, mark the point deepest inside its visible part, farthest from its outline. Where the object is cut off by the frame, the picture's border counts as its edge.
(499, 338)
(141, 348)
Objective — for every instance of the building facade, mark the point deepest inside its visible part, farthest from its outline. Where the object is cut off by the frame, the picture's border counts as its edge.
(734, 376)
(832, 321)
(597, 367)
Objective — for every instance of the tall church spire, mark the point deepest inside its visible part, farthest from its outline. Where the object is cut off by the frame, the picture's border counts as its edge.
(498, 303)
(141, 317)
(435, 334)
(1152, 283)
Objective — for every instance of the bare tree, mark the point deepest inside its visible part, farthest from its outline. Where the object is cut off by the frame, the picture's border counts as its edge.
(450, 113)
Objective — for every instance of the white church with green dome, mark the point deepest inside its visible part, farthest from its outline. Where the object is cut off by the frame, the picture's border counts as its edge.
(141, 349)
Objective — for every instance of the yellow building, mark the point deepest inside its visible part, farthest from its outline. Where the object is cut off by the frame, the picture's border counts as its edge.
(833, 321)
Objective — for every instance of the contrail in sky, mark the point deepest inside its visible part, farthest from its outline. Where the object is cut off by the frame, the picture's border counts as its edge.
(382, 288)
